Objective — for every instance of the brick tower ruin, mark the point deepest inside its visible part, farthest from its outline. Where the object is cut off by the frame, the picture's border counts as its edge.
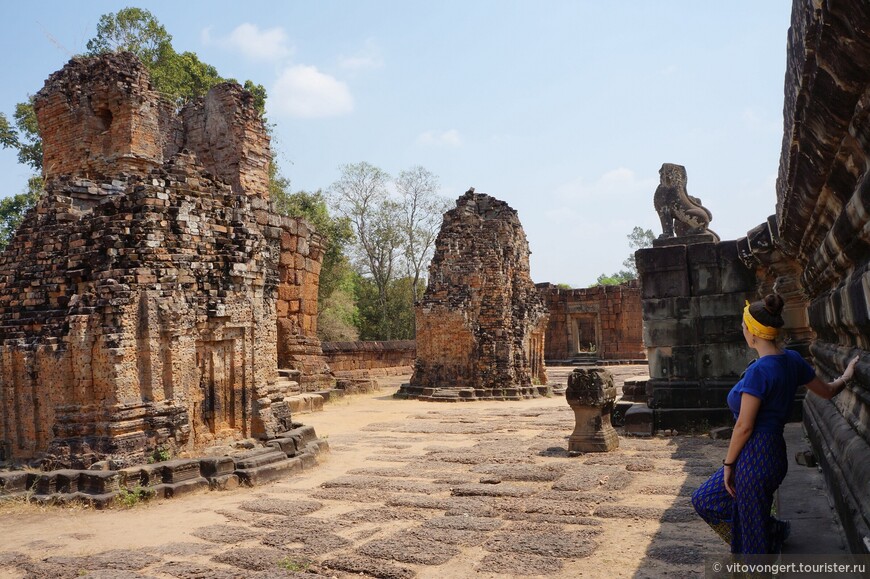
(143, 300)
(481, 323)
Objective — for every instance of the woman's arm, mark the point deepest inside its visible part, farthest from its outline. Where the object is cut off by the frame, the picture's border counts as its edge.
(749, 406)
(828, 390)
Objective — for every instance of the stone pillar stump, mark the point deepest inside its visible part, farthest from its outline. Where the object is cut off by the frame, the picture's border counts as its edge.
(591, 395)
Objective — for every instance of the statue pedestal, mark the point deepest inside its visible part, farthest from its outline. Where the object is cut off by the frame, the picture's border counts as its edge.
(706, 237)
(591, 395)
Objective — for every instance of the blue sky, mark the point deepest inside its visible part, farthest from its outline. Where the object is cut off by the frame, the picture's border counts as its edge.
(563, 109)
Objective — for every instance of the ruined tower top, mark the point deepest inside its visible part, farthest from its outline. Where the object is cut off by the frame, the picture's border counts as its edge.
(100, 116)
(481, 322)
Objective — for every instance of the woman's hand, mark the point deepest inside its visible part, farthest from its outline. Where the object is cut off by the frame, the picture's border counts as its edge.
(728, 479)
(850, 369)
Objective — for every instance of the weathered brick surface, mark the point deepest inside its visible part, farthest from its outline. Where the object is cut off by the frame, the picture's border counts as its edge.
(603, 319)
(143, 300)
(374, 357)
(481, 322)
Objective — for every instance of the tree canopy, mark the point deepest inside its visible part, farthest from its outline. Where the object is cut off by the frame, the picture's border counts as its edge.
(180, 76)
(639, 238)
(23, 135)
(13, 209)
(132, 29)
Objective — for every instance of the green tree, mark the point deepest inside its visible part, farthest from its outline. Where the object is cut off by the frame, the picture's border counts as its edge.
(360, 196)
(180, 76)
(399, 322)
(639, 238)
(132, 29)
(14, 208)
(422, 213)
(617, 278)
(23, 135)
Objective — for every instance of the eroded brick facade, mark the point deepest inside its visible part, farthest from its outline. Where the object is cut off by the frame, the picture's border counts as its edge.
(142, 301)
(481, 322)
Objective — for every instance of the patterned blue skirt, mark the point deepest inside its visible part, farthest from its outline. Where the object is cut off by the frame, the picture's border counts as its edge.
(745, 522)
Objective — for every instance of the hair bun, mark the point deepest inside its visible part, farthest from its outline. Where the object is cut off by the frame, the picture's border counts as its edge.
(773, 304)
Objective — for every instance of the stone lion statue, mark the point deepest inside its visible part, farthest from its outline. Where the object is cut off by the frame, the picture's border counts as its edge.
(680, 213)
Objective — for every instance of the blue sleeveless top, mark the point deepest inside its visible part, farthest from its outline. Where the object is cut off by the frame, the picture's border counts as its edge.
(774, 379)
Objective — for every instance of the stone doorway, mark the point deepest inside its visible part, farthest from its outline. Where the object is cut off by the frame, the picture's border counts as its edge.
(585, 333)
(220, 404)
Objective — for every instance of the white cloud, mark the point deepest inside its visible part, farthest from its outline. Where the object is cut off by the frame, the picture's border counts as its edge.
(303, 91)
(256, 44)
(367, 58)
(450, 138)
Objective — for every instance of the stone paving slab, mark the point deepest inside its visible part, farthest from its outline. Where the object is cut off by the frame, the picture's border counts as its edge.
(389, 504)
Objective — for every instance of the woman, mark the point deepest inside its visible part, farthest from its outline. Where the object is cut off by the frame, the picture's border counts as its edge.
(736, 500)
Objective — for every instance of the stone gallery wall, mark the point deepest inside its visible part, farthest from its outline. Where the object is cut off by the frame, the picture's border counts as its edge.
(142, 300)
(821, 254)
(374, 357)
(604, 320)
(481, 322)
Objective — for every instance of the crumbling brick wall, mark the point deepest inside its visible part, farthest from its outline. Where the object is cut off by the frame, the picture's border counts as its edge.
(141, 301)
(373, 357)
(481, 322)
(606, 320)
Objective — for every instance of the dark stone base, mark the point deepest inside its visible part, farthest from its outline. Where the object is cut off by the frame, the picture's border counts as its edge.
(604, 440)
(293, 451)
(699, 420)
(617, 417)
(639, 420)
(708, 237)
(845, 461)
(456, 394)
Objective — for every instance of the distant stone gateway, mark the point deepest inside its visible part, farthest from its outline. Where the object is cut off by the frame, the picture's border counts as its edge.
(481, 322)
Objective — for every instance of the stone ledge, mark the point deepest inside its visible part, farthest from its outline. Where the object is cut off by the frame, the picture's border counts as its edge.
(290, 452)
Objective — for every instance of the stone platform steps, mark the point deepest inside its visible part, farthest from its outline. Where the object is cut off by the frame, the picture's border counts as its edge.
(453, 394)
(589, 359)
(289, 452)
(304, 402)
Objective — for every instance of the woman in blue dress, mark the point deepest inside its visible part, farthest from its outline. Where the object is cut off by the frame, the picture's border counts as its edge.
(736, 500)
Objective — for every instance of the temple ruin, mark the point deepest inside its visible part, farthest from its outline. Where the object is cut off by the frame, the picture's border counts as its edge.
(150, 298)
(481, 322)
(814, 251)
(600, 323)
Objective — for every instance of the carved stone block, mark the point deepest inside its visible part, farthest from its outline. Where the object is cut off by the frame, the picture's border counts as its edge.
(591, 395)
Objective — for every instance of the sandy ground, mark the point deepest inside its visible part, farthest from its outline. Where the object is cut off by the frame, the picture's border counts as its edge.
(408, 489)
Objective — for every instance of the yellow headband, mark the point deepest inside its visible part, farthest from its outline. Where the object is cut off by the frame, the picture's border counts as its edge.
(756, 328)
